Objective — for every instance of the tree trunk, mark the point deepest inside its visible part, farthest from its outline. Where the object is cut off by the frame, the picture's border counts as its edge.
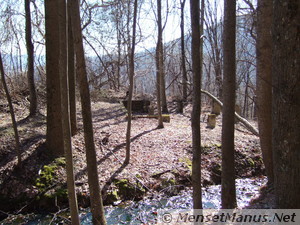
(119, 51)
(264, 83)
(218, 71)
(196, 135)
(164, 105)
(93, 180)
(228, 170)
(30, 61)
(161, 69)
(246, 97)
(72, 77)
(183, 58)
(54, 136)
(131, 75)
(12, 112)
(65, 111)
(159, 66)
(286, 99)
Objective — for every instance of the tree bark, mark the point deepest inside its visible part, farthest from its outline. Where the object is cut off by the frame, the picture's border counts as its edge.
(65, 111)
(286, 99)
(164, 104)
(264, 83)
(12, 112)
(131, 76)
(183, 57)
(30, 61)
(159, 66)
(196, 135)
(93, 180)
(72, 77)
(228, 171)
(54, 136)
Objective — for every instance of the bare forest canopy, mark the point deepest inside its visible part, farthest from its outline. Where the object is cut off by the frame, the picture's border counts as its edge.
(106, 48)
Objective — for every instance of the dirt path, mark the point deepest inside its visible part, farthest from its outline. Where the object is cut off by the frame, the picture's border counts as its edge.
(160, 158)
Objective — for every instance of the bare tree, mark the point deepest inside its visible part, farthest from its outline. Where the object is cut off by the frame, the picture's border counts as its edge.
(131, 76)
(264, 83)
(229, 84)
(93, 180)
(54, 135)
(12, 112)
(196, 134)
(159, 65)
(65, 118)
(30, 54)
(72, 77)
(286, 107)
(214, 35)
(183, 57)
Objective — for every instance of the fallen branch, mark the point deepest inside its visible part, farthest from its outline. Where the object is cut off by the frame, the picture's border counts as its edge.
(245, 122)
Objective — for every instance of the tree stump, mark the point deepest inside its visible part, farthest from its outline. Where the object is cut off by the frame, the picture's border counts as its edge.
(216, 108)
(179, 108)
(211, 121)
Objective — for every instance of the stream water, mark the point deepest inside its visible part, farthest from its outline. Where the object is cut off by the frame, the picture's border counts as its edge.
(145, 211)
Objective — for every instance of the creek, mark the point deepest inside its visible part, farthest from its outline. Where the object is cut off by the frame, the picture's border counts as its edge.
(145, 211)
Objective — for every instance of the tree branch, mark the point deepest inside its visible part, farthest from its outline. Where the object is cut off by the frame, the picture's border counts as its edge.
(245, 122)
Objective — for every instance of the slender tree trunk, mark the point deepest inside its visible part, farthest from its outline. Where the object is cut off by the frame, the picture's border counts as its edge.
(12, 112)
(228, 170)
(218, 71)
(160, 62)
(65, 110)
(246, 101)
(196, 135)
(131, 75)
(54, 136)
(286, 103)
(264, 83)
(72, 77)
(164, 106)
(93, 180)
(183, 58)
(30, 54)
(119, 38)
(159, 66)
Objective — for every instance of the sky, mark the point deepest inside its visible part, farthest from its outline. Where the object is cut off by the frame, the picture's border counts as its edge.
(147, 23)
(172, 29)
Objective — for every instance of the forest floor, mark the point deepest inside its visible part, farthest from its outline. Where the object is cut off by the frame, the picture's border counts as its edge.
(160, 158)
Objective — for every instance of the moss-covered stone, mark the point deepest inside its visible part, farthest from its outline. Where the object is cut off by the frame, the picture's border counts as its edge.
(62, 193)
(127, 190)
(187, 162)
(53, 193)
(61, 161)
(168, 182)
(47, 175)
(112, 196)
(139, 176)
(216, 171)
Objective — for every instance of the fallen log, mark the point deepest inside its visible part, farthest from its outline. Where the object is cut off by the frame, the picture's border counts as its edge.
(165, 117)
(245, 122)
